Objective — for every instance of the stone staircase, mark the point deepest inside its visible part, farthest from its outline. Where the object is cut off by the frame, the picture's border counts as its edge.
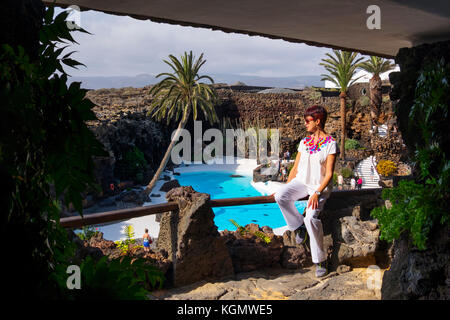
(363, 170)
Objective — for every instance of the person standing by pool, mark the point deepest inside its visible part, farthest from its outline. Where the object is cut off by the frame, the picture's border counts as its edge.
(283, 176)
(147, 240)
(359, 182)
(311, 176)
(340, 181)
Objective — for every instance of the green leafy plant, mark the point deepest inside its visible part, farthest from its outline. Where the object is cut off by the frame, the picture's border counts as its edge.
(179, 94)
(412, 207)
(325, 89)
(117, 279)
(262, 236)
(315, 95)
(87, 232)
(341, 68)
(364, 101)
(430, 112)
(375, 66)
(335, 178)
(242, 230)
(46, 152)
(346, 173)
(132, 165)
(419, 205)
(125, 244)
(351, 144)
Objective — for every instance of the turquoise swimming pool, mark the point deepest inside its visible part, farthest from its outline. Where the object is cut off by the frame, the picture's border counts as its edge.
(220, 185)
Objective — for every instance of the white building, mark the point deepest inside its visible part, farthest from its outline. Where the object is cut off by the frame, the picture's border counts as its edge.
(365, 77)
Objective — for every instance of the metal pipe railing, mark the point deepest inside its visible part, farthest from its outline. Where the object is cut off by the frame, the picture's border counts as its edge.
(125, 214)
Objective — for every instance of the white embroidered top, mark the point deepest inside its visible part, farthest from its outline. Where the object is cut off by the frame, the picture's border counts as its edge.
(312, 165)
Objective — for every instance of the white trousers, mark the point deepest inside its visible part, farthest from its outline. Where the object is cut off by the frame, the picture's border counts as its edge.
(286, 197)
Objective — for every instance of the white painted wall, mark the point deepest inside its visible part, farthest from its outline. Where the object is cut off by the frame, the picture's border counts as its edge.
(365, 77)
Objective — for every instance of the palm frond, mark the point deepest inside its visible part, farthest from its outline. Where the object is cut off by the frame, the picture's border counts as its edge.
(181, 92)
(377, 65)
(341, 68)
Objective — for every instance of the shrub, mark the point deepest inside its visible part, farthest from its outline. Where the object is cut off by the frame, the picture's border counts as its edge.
(87, 232)
(314, 95)
(351, 144)
(412, 207)
(124, 245)
(135, 161)
(386, 168)
(45, 143)
(117, 279)
(139, 177)
(132, 165)
(364, 101)
(419, 205)
(346, 173)
(242, 230)
(335, 177)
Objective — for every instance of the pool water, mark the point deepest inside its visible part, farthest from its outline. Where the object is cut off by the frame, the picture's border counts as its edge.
(220, 185)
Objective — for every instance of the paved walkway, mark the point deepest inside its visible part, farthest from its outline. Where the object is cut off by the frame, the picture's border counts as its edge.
(271, 284)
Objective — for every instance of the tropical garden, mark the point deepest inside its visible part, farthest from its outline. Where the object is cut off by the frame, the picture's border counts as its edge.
(46, 151)
(416, 206)
(52, 156)
(181, 94)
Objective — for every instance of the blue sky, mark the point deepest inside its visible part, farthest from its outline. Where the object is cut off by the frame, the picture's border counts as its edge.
(123, 46)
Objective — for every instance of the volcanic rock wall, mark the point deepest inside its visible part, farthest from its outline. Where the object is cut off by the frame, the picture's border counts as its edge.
(123, 122)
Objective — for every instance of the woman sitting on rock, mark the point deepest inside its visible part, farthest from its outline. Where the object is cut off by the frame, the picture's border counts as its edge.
(311, 176)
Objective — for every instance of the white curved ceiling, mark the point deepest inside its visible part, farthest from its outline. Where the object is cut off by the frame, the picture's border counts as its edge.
(339, 24)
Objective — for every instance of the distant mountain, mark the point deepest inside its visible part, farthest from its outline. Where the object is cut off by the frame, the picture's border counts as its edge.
(297, 82)
(138, 81)
(142, 80)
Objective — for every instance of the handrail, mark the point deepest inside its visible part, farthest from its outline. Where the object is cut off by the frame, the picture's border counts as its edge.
(125, 214)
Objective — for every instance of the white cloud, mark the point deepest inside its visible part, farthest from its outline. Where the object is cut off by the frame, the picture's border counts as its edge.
(125, 46)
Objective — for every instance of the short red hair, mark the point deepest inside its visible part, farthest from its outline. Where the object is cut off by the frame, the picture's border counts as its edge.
(317, 112)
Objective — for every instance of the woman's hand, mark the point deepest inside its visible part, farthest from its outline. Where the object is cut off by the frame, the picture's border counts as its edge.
(313, 201)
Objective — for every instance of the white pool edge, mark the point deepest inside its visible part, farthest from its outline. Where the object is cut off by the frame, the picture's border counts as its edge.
(238, 166)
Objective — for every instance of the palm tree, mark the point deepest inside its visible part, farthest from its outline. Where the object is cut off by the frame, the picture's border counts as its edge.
(341, 68)
(376, 66)
(179, 94)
